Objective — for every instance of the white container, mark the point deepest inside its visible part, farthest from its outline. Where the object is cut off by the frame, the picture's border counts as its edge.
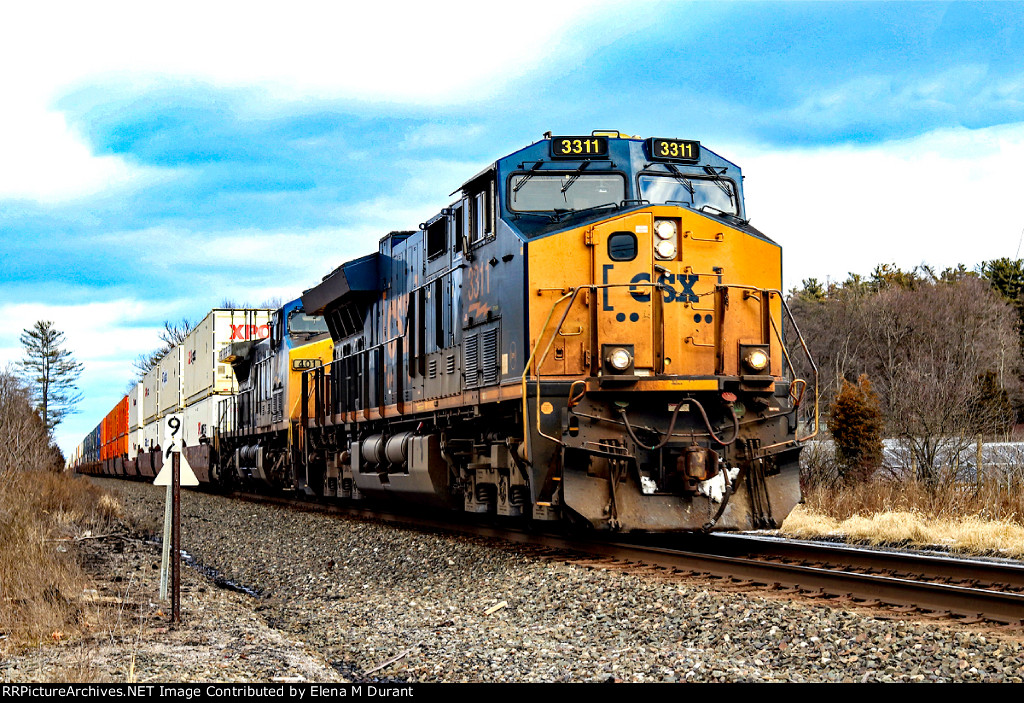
(134, 442)
(134, 420)
(170, 377)
(151, 394)
(203, 376)
(150, 436)
(200, 419)
(135, 407)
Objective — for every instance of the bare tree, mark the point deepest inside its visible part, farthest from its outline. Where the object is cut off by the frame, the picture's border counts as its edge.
(272, 303)
(929, 350)
(941, 351)
(173, 334)
(24, 440)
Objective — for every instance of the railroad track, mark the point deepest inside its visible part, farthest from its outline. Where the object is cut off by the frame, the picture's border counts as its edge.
(970, 590)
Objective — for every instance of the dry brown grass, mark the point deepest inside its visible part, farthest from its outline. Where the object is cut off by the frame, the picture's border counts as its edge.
(969, 519)
(41, 582)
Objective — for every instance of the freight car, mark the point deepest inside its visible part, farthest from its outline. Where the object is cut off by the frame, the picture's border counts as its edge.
(592, 332)
(189, 381)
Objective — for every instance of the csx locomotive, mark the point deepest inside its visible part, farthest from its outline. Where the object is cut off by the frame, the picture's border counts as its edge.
(591, 332)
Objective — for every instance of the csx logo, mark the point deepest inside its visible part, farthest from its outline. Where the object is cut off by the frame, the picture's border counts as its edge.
(667, 281)
(249, 331)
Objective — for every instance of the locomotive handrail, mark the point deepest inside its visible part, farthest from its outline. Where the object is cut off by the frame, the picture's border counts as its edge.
(778, 334)
(526, 372)
(810, 360)
(571, 295)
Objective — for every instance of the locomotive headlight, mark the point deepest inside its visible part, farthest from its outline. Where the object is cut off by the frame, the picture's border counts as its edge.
(756, 359)
(665, 229)
(665, 249)
(620, 359)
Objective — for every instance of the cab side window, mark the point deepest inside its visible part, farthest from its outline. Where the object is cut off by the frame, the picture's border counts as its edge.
(481, 220)
(437, 240)
(459, 226)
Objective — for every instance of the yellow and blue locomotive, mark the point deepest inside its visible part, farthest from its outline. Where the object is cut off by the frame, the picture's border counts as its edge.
(256, 436)
(591, 332)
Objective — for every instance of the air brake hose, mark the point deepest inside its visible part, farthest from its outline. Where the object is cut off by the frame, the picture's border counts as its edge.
(707, 423)
(706, 527)
(668, 435)
(672, 425)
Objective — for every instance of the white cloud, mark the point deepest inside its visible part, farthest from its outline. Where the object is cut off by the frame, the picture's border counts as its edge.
(45, 160)
(947, 197)
(424, 53)
(105, 337)
(86, 327)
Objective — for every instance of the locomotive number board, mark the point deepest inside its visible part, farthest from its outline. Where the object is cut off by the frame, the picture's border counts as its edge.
(302, 364)
(673, 149)
(579, 147)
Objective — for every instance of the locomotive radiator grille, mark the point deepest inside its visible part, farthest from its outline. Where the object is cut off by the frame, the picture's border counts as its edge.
(489, 367)
(470, 349)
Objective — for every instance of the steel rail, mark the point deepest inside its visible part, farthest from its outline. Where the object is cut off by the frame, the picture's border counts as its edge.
(839, 581)
(936, 566)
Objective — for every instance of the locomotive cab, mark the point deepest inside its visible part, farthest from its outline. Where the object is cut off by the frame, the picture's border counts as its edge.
(668, 330)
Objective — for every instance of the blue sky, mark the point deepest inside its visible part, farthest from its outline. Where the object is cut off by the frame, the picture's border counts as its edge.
(156, 164)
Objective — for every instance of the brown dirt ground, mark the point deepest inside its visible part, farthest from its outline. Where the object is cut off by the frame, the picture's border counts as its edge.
(127, 637)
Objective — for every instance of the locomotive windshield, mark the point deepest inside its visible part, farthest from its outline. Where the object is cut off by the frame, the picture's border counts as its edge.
(301, 323)
(719, 194)
(568, 191)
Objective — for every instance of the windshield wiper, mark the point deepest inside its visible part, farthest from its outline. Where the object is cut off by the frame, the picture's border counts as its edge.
(527, 176)
(723, 213)
(681, 178)
(573, 177)
(543, 215)
(716, 176)
(559, 212)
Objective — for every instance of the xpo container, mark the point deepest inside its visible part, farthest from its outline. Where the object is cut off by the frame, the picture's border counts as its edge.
(170, 377)
(203, 375)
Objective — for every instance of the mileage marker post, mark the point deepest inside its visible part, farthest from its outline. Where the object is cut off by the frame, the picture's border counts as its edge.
(179, 474)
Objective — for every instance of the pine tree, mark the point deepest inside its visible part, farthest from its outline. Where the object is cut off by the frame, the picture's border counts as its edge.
(51, 372)
(855, 422)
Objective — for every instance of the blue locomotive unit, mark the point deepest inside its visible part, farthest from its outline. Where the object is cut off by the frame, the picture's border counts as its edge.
(591, 332)
(256, 436)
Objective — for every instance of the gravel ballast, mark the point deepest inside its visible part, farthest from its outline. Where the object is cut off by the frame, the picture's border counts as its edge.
(361, 594)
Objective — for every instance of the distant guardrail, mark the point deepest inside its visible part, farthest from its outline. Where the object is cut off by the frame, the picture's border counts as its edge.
(952, 455)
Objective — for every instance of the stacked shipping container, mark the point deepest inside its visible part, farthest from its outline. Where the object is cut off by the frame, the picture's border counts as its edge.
(187, 380)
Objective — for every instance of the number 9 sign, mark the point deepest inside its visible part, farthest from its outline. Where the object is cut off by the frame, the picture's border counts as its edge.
(172, 434)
